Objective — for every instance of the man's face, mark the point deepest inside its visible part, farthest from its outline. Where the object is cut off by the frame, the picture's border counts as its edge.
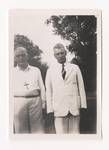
(60, 55)
(21, 56)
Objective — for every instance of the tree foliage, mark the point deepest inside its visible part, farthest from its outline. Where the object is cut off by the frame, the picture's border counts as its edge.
(81, 32)
(21, 40)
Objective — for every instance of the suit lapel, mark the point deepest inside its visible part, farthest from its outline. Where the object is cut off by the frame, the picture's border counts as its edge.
(68, 70)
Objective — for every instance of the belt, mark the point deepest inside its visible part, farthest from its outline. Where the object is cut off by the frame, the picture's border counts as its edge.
(27, 96)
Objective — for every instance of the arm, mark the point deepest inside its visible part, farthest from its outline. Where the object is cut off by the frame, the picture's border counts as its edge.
(49, 92)
(42, 89)
(81, 89)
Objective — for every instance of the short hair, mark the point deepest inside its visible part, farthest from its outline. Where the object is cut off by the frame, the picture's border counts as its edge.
(59, 46)
(20, 47)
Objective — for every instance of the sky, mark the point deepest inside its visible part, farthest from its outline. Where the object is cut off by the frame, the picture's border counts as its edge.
(32, 24)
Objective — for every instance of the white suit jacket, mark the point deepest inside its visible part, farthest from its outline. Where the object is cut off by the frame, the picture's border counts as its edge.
(68, 95)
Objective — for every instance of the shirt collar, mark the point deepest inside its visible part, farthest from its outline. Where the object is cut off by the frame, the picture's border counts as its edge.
(61, 64)
(27, 69)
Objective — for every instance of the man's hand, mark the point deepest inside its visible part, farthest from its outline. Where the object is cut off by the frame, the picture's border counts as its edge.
(83, 111)
(43, 104)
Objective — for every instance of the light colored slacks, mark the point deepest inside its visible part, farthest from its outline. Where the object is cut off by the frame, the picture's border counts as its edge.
(67, 124)
(28, 115)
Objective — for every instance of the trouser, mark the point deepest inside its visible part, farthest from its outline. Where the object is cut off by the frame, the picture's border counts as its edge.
(28, 115)
(67, 124)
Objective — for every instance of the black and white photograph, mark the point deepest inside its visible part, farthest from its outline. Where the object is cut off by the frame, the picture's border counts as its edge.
(55, 72)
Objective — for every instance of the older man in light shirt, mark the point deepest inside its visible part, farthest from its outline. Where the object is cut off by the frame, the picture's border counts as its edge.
(29, 95)
(65, 93)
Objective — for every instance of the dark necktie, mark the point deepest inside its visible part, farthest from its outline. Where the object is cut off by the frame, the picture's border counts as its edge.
(63, 71)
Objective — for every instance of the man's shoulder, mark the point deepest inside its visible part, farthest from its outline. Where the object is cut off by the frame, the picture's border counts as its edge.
(54, 67)
(73, 66)
(29, 68)
(70, 65)
(33, 68)
(15, 68)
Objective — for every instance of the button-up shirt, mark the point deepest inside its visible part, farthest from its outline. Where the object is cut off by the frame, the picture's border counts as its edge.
(28, 80)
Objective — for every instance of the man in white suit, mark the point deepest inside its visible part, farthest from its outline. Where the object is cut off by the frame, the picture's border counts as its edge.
(65, 93)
